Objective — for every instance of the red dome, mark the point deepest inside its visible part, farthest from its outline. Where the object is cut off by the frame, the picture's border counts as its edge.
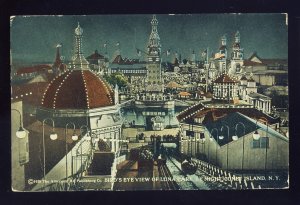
(77, 89)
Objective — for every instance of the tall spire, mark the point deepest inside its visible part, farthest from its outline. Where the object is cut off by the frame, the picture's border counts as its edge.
(79, 62)
(237, 37)
(223, 40)
(57, 58)
(154, 75)
(237, 51)
(154, 47)
(78, 39)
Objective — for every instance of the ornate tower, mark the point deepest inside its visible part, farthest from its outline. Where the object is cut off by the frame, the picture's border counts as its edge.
(154, 81)
(58, 66)
(78, 60)
(237, 55)
(193, 58)
(153, 109)
(237, 51)
(222, 56)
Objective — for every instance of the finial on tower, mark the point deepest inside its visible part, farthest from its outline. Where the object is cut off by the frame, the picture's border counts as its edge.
(78, 30)
(223, 40)
(154, 20)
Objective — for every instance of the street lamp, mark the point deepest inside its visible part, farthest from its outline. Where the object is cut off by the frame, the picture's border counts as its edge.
(202, 141)
(208, 148)
(74, 138)
(53, 136)
(21, 132)
(86, 138)
(217, 142)
(235, 137)
(256, 136)
(222, 137)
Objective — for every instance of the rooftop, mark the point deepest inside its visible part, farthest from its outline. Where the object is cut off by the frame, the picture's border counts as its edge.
(35, 68)
(224, 78)
(231, 120)
(77, 89)
(95, 56)
(213, 114)
(259, 96)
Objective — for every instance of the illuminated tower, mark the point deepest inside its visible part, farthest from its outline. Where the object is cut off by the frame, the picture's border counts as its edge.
(58, 66)
(154, 80)
(222, 55)
(153, 109)
(78, 60)
(237, 55)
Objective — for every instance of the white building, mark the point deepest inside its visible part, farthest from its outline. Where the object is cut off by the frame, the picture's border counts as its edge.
(225, 88)
(260, 102)
(246, 87)
(19, 147)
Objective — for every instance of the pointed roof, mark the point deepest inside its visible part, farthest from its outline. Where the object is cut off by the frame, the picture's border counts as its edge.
(184, 94)
(95, 56)
(173, 84)
(57, 61)
(224, 78)
(58, 64)
(176, 63)
(243, 78)
(118, 59)
(78, 60)
(254, 55)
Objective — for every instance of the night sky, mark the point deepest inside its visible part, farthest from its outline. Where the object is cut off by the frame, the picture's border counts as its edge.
(34, 38)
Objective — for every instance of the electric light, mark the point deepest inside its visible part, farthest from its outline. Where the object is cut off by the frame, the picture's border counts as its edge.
(256, 135)
(235, 137)
(53, 136)
(74, 137)
(21, 133)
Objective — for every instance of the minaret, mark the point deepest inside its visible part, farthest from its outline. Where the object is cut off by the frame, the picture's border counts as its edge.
(57, 62)
(79, 62)
(154, 87)
(154, 47)
(223, 48)
(223, 55)
(237, 55)
(193, 58)
(237, 51)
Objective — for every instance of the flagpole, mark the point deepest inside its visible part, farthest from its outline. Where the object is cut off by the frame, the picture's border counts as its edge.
(134, 37)
(207, 55)
(207, 65)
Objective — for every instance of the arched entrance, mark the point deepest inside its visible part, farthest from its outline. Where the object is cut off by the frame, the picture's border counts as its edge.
(103, 146)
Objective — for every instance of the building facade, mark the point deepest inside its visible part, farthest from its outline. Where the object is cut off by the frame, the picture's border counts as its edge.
(214, 142)
(225, 88)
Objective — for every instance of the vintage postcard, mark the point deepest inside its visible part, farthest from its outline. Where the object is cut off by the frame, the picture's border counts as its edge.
(149, 102)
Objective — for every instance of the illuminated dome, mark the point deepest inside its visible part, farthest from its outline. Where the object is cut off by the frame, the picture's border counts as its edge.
(79, 96)
(77, 89)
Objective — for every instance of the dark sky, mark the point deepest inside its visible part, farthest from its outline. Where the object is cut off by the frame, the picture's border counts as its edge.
(33, 38)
